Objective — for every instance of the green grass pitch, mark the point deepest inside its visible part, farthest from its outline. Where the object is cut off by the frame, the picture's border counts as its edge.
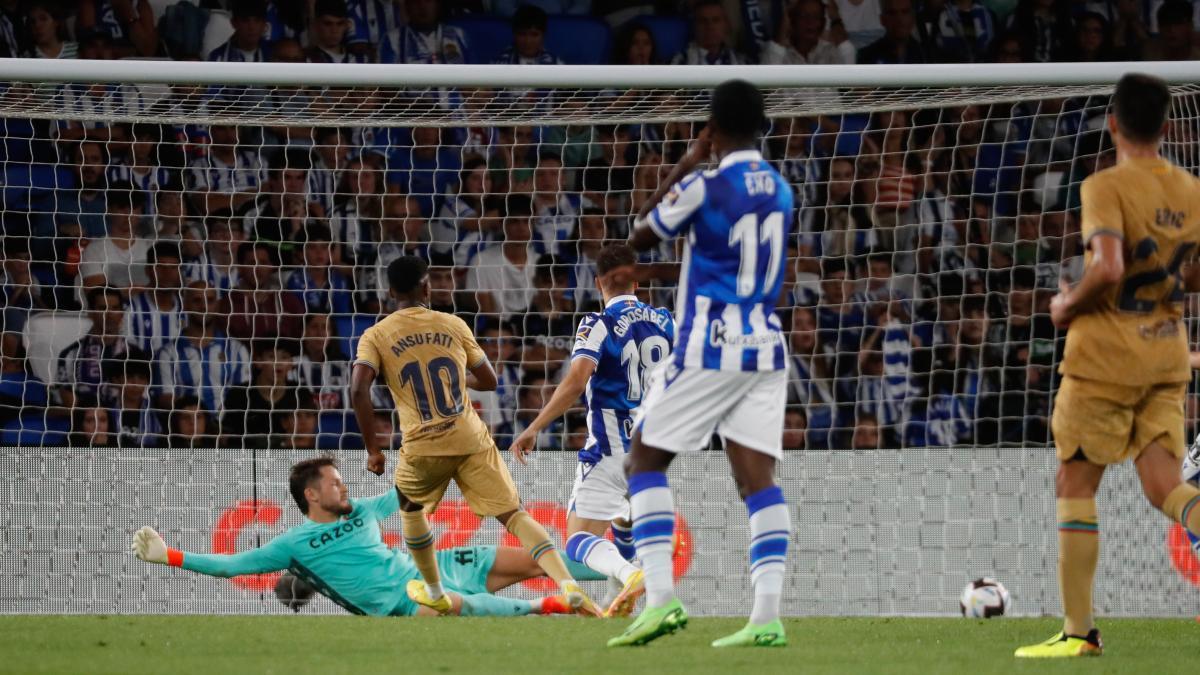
(287, 645)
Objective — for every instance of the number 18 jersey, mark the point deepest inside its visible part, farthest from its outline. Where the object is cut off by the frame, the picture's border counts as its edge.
(626, 340)
(1134, 335)
(423, 356)
(735, 221)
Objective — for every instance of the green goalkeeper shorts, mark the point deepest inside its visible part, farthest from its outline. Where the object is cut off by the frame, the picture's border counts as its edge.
(464, 571)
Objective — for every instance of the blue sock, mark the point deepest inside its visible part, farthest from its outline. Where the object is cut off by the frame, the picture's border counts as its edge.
(598, 554)
(486, 604)
(770, 530)
(654, 533)
(623, 540)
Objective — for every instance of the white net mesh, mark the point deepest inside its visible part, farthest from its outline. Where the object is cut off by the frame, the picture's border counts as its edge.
(189, 266)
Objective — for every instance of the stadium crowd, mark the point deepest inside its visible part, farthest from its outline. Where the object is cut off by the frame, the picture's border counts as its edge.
(224, 271)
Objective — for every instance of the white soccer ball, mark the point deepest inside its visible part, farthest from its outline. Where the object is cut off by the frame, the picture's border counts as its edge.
(985, 598)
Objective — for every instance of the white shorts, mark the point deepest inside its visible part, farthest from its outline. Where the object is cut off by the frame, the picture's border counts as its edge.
(600, 490)
(684, 406)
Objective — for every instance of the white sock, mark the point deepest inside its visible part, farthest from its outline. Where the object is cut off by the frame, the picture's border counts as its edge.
(654, 534)
(770, 530)
(599, 554)
(435, 590)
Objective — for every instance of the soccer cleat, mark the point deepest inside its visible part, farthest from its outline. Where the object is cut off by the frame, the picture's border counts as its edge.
(651, 624)
(578, 600)
(555, 604)
(1063, 645)
(623, 604)
(418, 593)
(766, 635)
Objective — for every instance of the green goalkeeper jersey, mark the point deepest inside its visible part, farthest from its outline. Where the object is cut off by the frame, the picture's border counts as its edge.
(347, 560)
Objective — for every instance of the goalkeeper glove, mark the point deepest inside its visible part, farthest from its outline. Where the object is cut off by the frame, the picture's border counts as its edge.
(148, 545)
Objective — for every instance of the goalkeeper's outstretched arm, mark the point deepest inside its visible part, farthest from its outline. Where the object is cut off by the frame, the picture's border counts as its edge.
(148, 545)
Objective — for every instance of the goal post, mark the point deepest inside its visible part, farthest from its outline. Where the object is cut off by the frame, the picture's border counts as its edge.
(192, 249)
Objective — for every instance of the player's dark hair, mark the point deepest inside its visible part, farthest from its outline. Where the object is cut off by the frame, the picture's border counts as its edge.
(831, 266)
(518, 205)
(123, 196)
(613, 256)
(737, 110)
(97, 293)
(336, 8)
(1141, 104)
(161, 250)
(405, 273)
(305, 473)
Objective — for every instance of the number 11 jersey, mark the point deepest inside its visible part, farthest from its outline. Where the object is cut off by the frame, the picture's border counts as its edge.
(735, 220)
(424, 356)
(1134, 335)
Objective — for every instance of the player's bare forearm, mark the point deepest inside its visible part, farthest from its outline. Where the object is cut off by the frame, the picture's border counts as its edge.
(1103, 272)
(360, 398)
(1194, 360)
(482, 377)
(642, 238)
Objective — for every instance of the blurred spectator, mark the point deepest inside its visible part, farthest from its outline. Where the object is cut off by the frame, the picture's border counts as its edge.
(462, 229)
(712, 37)
(116, 260)
(204, 361)
(321, 368)
(216, 261)
(1092, 41)
(298, 429)
(860, 19)
(128, 23)
(501, 276)
(503, 350)
(91, 427)
(154, 317)
(227, 176)
(20, 389)
(1008, 48)
(531, 399)
(257, 306)
(841, 224)
(965, 31)
(169, 220)
(810, 380)
(866, 433)
(511, 7)
(529, 39)
(46, 25)
(315, 281)
(634, 46)
(87, 207)
(555, 209)
(577, 433)
(548, 324)
(357, 214)
(426, 169)
(280, 212)
(143, 167)
(898, 44)
(254, 413)
(137, 422)
(795, 427)
(1175, 41)
(20, 291)
(246, 45)
(424, 38)
(10, 29)
(590, 236)
(191, 426)
(404, 232)
(1045, 29)
(327, 34)
(799, 39)
(1129, 31)
(83, 367)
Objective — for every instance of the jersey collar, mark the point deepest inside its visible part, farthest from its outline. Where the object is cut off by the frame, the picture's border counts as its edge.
(620, 298)
(738, 156)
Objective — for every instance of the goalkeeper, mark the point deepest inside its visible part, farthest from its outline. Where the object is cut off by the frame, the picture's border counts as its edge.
(340, 552)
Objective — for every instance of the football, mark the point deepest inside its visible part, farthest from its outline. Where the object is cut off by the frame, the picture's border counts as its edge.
(985, 598)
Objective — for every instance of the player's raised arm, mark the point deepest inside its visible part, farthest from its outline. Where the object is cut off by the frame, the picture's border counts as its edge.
(565, 395)
(645, 234)
(149, 546)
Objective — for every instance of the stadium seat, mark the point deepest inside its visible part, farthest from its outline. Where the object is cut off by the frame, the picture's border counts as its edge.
(348, 328)
(35, 430)
(579, 40)
(337, 429)
(670, 34)
(487, 36)
(47, 334)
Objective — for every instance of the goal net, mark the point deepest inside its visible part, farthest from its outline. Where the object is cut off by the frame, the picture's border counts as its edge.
(190, 252)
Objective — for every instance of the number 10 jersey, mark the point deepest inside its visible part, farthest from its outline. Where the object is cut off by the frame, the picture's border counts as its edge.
(424, 356)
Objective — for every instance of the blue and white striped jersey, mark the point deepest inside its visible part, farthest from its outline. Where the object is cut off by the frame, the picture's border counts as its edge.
(149, 327)
(736, 220)
(625, 340)
(204, 371)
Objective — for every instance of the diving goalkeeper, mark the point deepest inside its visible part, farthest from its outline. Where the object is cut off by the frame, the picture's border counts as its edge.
(339, 551)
